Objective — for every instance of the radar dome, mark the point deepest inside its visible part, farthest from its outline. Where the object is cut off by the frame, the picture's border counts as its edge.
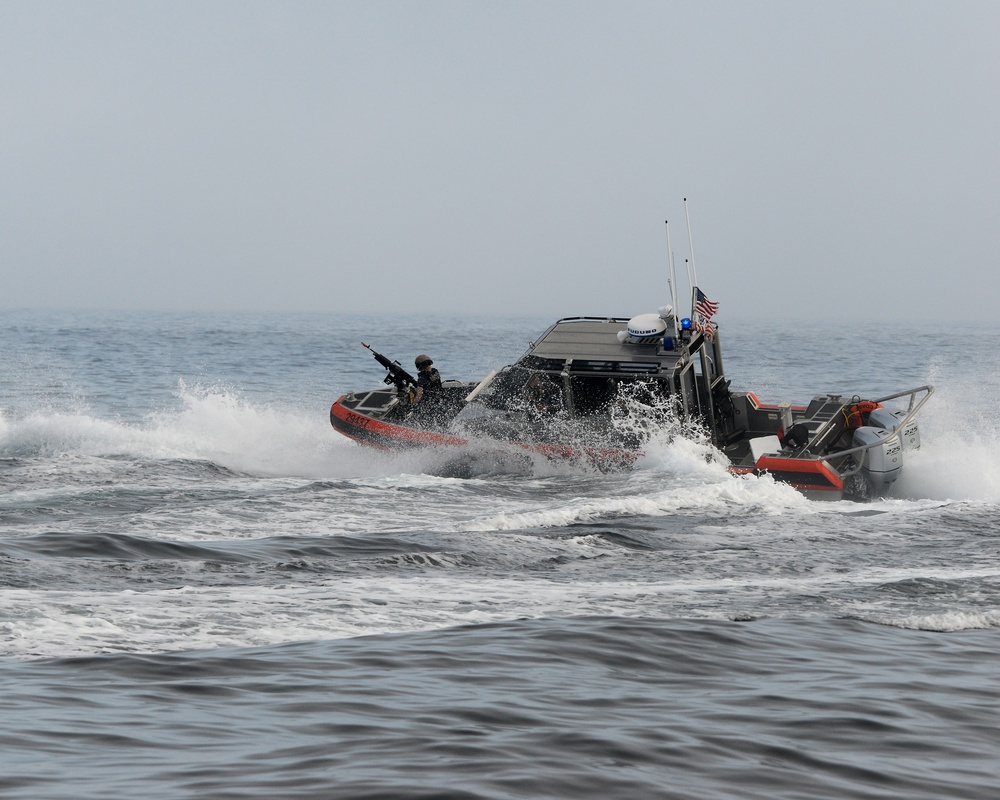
(646, 329)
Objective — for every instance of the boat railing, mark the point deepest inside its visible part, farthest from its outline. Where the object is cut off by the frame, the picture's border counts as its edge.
(928, 391)
(593, 319)
(914, 406)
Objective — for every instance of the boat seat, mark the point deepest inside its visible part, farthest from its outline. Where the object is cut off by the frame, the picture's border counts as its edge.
(820, 420)
(821, 415)
(764, 445)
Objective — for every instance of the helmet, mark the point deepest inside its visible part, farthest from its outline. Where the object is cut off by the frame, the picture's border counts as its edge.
(422, 361)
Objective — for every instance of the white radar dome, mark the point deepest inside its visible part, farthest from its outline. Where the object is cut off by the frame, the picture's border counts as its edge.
(646, 326)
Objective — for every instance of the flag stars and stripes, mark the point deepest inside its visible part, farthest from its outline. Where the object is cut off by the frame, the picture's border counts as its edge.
(703, 305)
(705, 309)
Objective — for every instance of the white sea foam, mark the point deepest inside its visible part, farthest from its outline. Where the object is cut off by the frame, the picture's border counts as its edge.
(57, 622)
(731, 495)
(960, 437)
(676, 478)
(228, 430)
(960, 462)
(220, 426)
(943, 621)
(53, 622)
(67, 623)
(211, 424)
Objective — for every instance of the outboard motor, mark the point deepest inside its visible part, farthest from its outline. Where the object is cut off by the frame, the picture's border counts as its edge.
(881, 463)
(889, 420)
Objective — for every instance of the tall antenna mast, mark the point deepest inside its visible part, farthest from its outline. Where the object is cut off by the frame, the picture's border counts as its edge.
(691, 283)
(693, 269)
(671, 278)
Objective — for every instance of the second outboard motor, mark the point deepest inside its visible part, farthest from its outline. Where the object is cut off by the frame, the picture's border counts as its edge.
(889, 420)
(881, 463)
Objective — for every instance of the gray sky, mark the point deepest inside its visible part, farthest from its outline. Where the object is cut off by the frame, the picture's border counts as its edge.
(500, 157)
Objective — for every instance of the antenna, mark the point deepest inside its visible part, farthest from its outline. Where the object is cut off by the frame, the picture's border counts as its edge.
(692, 270)
(671, 276)
(691, 282)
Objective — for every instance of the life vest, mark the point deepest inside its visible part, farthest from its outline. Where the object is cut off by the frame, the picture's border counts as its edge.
(856, 414)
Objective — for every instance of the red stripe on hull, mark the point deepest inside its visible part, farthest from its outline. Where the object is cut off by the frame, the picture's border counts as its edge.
(385, 435)
(803, 474)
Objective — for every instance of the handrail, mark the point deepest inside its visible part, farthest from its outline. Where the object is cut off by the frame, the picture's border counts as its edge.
(593, 319)
(927, 388)
(912, 412)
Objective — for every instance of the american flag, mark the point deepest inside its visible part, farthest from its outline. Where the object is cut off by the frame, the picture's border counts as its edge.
(705, 309)
(703, 305)
(706, 328)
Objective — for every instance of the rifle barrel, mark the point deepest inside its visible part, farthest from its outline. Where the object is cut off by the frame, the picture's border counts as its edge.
(399, 375)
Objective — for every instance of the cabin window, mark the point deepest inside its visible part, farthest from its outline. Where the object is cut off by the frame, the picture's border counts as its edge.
(518, 389)
(592, 395)
(508, 386)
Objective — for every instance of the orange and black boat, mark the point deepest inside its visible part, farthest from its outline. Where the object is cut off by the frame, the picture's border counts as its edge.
(594, 389)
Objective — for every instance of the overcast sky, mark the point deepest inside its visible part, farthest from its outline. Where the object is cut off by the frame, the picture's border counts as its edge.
(500, 157)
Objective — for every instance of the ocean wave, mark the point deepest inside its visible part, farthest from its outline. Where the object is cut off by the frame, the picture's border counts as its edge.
(945, 621)
(590, 707)
(211, 424)
(959, 458)
(218, 424)
(726, 496)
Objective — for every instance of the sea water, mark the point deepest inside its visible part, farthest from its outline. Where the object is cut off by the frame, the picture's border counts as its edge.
(207, 592)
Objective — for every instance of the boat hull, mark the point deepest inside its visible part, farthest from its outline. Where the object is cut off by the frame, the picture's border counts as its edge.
(814, 477)
(369, 430)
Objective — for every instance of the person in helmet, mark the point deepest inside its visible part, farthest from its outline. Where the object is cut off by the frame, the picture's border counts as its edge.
(428, 378)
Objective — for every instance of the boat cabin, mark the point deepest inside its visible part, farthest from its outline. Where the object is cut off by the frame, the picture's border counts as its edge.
(581, 366)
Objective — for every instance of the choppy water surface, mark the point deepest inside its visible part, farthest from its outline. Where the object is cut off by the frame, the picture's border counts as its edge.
(204, 591)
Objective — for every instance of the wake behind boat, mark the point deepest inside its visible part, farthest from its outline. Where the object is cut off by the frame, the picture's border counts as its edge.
(596, 389)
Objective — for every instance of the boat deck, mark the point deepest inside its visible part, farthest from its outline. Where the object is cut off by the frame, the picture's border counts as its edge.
(596, 339)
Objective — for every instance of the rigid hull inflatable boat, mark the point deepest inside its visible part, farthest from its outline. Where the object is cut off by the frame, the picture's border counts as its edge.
(595, 389)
